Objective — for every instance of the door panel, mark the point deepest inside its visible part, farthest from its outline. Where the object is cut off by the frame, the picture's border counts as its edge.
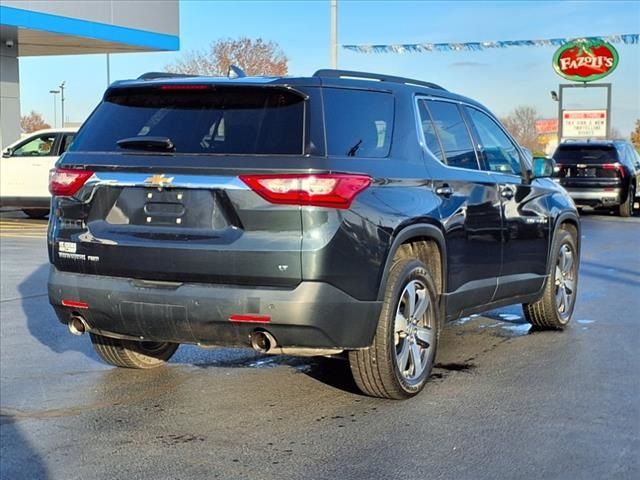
(469, 207)
(526, 235)
(525, 239)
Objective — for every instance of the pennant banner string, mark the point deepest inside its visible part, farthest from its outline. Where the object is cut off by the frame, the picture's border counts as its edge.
(629, 39)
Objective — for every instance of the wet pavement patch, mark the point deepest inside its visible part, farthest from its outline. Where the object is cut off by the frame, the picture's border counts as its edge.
(456, 367)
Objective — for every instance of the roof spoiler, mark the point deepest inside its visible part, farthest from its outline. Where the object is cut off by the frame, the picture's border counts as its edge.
(233, 72)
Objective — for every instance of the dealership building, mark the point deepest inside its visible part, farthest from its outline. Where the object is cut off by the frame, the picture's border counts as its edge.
(72, 27)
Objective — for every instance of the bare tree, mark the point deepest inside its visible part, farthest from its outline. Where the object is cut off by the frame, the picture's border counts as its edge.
(615, 133)
(521, 123)
(255, 57)
(32, 122)
(635, 135)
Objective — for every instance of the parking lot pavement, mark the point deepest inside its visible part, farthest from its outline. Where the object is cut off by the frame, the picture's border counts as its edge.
(503, 401)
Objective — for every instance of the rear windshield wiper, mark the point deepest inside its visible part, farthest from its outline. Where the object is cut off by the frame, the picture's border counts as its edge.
(155, 144)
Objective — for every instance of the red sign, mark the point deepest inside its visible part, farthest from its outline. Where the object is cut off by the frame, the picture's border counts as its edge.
(585, 61)
(547, 125)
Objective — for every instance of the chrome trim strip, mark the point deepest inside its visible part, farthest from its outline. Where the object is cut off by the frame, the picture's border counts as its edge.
(123, 179)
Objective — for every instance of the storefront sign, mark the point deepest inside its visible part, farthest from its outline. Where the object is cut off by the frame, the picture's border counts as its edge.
(585, 60)
(584, 123)
(546, 125)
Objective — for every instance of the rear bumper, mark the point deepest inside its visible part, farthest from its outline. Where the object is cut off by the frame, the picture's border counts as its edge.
(314, 314)
(596, 196)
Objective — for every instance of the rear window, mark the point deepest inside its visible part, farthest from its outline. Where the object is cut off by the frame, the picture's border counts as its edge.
(358, 123)
(222, 120)
(586, 155)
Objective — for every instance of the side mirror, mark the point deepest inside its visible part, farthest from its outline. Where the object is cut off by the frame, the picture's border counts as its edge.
(543, 167)
(7, 153)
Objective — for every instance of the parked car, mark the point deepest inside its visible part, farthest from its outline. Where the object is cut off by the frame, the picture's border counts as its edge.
(25, 166)
(600, 173)
(344, 212)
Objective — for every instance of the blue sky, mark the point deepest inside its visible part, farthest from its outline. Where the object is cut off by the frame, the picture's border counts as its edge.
(501, 79)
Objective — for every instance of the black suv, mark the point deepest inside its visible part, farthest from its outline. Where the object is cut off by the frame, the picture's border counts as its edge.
(344, 212)
(599, 173)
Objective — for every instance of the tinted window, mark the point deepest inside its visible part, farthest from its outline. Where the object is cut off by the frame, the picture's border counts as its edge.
(500, 154)
(568, 153)
(429, 132)
(453, 134)
(358, 123)
(66, 141)
(224, 120)
(41, 146)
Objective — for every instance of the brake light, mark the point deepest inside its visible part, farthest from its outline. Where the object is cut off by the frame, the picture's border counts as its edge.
(614, 166)
(184, 87)
(320, 190)
(64, 182)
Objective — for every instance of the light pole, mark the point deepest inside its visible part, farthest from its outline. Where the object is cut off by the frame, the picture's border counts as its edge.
(334, 33)
(61, 87)
(55, 100)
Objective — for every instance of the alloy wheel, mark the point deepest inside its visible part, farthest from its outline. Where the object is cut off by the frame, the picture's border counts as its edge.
(565, 281)
(413, 333)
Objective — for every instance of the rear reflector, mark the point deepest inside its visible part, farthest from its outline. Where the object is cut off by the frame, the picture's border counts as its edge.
(64, 182)
(321, 190)
(614, 166)
(250, 318)
(75, 304)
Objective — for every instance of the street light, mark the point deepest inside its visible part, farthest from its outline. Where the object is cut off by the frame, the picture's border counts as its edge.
(55, 120)
(61, 87)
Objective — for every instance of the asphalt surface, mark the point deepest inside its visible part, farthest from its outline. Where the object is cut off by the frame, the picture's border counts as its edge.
(503, 402)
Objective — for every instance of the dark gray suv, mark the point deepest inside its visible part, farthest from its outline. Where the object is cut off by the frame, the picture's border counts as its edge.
(344, 212)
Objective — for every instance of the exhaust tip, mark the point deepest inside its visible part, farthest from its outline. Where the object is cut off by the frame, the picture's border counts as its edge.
(262, 341)
(77, 325)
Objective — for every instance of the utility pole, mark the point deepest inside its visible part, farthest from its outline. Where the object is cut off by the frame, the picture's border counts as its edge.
(55, 101)
(334, 33)
(61, 87)
(108, 71)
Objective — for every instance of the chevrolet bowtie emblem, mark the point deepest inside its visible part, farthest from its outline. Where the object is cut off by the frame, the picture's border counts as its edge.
(158, 180)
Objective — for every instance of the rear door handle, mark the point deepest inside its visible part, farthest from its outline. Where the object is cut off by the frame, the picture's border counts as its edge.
(506, 193)
(444, 190)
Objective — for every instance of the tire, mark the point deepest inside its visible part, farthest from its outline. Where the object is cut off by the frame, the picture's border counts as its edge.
(625, 209)
(36, 213)
(132, 354)
(554, 309)
(398, 363)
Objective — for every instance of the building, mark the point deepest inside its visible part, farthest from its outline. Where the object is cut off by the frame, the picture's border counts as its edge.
(68, 27)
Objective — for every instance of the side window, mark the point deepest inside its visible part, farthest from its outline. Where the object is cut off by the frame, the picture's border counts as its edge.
(429, 131)
(453, 134)
(66, 141)
(40, 146)
(500, 154)
(358, 123)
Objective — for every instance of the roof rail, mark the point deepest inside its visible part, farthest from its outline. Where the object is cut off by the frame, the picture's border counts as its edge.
(328, 73)
(154, 75)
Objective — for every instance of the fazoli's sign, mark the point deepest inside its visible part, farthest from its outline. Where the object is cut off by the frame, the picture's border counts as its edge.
(585, 60)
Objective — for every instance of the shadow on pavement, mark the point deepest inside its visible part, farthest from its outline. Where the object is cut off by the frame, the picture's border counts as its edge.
(42, 322)
(17, 458)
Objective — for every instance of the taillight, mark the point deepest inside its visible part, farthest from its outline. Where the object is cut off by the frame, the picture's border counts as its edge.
(614, 166)
(321, 190)
(64, 182)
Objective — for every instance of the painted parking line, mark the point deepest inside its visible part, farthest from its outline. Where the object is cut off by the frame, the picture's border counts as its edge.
(20, 228)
